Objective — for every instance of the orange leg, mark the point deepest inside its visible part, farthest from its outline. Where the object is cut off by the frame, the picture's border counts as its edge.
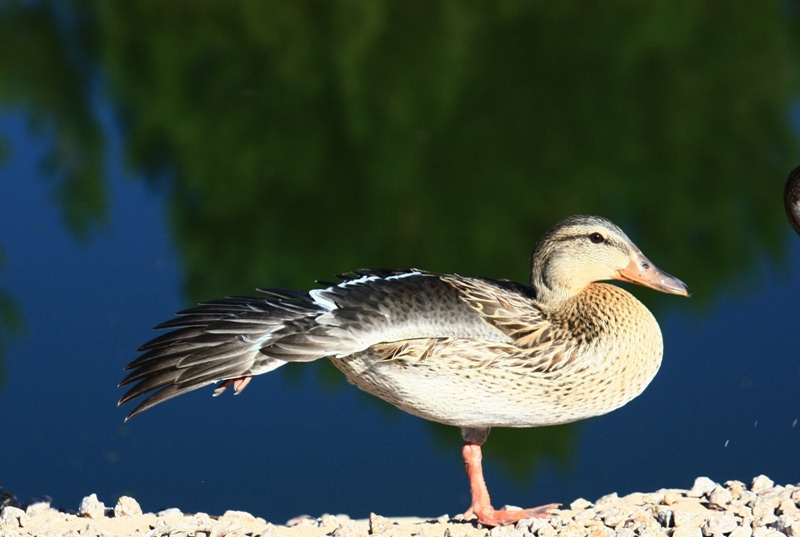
(238, 385)
(481, 505)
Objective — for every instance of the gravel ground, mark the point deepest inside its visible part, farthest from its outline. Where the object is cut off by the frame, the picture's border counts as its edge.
(708, 509)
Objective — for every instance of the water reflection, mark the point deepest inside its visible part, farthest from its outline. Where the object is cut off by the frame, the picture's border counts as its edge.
(295, 141)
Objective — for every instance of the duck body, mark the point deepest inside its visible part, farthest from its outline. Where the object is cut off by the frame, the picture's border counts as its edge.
(475, 353)
(481, 374)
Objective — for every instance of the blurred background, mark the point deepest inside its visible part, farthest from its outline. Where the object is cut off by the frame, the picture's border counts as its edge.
(154, 154)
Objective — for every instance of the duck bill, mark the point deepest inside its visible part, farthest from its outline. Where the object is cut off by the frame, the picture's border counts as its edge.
(642, 272)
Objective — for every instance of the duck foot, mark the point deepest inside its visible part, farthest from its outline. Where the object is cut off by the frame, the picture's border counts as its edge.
(481, 505)
(490, 516)
(238, 385)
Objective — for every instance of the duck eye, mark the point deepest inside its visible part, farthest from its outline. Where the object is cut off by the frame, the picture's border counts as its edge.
(596, 238)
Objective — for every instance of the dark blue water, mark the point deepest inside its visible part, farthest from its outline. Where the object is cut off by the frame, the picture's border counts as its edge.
(244, 147)
(725, 404)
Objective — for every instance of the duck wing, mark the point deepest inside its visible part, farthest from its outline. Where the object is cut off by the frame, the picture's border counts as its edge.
(378, 306)
(508, 306)
(237, 337)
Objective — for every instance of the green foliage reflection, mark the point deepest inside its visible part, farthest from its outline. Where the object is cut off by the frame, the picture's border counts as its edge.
(303, 139)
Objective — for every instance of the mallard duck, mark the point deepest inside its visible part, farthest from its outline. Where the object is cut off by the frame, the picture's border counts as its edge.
(791, 198)
(474, 353)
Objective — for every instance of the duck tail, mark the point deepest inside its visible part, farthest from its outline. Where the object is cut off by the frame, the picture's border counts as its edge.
(228, 340)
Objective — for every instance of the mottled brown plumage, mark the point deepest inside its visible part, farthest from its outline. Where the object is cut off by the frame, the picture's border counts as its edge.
(475, 353)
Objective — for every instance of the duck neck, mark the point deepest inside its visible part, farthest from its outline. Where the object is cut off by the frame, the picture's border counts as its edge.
(551, 292)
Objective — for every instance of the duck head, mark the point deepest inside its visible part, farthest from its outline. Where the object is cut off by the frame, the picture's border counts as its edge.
(581, 250)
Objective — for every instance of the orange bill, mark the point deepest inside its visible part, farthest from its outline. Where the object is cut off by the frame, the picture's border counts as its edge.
(641, 271)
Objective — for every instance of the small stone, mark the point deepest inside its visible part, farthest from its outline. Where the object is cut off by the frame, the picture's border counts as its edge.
(701, 487)
(654, 498)
(777, 490)
(127, 506)
(636, 498)
(580, 504)
(531, 525)
(39, 505)
(664, 516)
(736, 487)
(625, 532)
(349, 529)
(765, 532)
(788, 490)
(717, 525)
(430, 530)
(787, 506)
(765, 505)
(788, 523)
(671, 497)
(268, 530)
(764, 520)
(687, 531)
(546, 531)
(172, 511)
(13, 518)
(650, 531)
(647, 527)
(570, 530)
(92, 508)
(172, 515)
(748, 498)
(720, 496)
(784, 521)
(760, 483)
(466, 530)
(613, 516)
(607, 500)
(239, 516)
(328, 521)
(602, 532)
(688, 518)
(742, 531)
(643, 518)
(504, 531)
(201, 517)
(378, 524)
(585, 517)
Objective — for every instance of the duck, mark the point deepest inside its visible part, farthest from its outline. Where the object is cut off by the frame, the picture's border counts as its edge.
(791, 198)
(471, 352)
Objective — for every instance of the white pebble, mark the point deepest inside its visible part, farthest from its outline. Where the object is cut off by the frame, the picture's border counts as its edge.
(687, 531)
(764, 532)
(127, 506)
(580, 504)
(702, 486)
(546, 531)
(718, 525)
(760, 483)
(91, 507)
(742, 531)
(13, 518)
(720, 496)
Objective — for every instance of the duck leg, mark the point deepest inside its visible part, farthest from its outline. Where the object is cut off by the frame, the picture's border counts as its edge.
(238, 385)
(481, 505)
